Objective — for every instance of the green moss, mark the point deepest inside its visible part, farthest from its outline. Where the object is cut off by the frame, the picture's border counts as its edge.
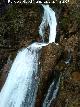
(65, 21)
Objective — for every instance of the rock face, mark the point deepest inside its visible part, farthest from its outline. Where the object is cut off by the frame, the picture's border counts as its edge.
(49, 58)
(17, 24)
(19, 28)
(70, 86)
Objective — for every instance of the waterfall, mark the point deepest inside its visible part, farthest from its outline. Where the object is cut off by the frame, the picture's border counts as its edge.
(48, 19)
(52, 91)
(21, 85)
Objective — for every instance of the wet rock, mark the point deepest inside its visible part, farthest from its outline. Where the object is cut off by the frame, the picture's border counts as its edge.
(71, 48)
(49, 58)
(3, 75)
(6, 59)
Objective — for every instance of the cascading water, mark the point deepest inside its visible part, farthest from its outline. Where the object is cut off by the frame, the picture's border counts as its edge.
(21, 85)
(48, 18)
(52, 91)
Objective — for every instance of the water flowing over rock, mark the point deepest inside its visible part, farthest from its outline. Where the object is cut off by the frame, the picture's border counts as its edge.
(20, 79)
(49, 16)
(19, 25)
(49, 58)
(21, 85)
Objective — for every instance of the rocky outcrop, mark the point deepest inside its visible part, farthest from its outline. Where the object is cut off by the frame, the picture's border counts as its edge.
(50, 56)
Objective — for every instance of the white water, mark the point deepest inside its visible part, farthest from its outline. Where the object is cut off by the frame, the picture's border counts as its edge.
(20, 87)
(52, 93)
(48, 19)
